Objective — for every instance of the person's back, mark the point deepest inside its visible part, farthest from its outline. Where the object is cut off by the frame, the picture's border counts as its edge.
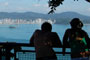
(43, 43)
(44, 40)
(78, 39)
(76, 42)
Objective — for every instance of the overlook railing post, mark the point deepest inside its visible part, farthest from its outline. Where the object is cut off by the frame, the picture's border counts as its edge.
(15, 54)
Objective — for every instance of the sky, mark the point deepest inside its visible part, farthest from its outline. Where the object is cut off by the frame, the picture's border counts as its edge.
(41, 6)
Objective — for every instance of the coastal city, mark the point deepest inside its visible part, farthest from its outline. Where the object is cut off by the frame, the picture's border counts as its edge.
(22, 21)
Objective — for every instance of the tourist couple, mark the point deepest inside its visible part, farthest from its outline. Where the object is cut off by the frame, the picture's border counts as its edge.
(77, 39)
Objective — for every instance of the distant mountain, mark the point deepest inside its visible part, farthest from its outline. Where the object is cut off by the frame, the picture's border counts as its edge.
(61, 18)
(66, 17)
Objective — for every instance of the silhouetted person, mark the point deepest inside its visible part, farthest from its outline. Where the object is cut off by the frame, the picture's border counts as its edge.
(77, 39)
(44, 40)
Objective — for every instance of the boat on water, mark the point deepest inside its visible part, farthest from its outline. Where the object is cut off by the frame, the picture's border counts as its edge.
(12, 27)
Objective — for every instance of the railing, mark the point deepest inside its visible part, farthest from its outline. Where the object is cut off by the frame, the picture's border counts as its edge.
(30, 55)
(21, 51)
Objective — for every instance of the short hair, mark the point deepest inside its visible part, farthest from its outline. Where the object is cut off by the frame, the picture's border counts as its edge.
(76, 23)
(46, 26)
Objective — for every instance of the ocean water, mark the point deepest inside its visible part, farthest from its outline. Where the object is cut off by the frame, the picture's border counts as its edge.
(21, 33)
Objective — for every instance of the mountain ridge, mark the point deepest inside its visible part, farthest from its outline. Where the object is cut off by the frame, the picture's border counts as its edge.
(60, 18)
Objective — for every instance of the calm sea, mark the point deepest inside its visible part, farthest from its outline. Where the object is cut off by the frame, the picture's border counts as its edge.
(21, 33)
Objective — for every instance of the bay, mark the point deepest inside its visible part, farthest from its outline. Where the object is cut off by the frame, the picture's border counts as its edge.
(23, 32)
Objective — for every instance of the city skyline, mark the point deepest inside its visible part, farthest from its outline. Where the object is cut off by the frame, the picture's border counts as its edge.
(41, 6)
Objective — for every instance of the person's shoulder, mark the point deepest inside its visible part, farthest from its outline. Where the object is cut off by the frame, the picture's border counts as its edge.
(37, 30)
(83, 31)
(67, 30)
(53, 32)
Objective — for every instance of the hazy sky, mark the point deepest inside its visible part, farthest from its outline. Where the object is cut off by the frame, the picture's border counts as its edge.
(41, 6)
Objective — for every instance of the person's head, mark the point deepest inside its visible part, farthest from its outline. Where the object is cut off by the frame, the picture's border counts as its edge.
(46, 26)
(76, 23)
